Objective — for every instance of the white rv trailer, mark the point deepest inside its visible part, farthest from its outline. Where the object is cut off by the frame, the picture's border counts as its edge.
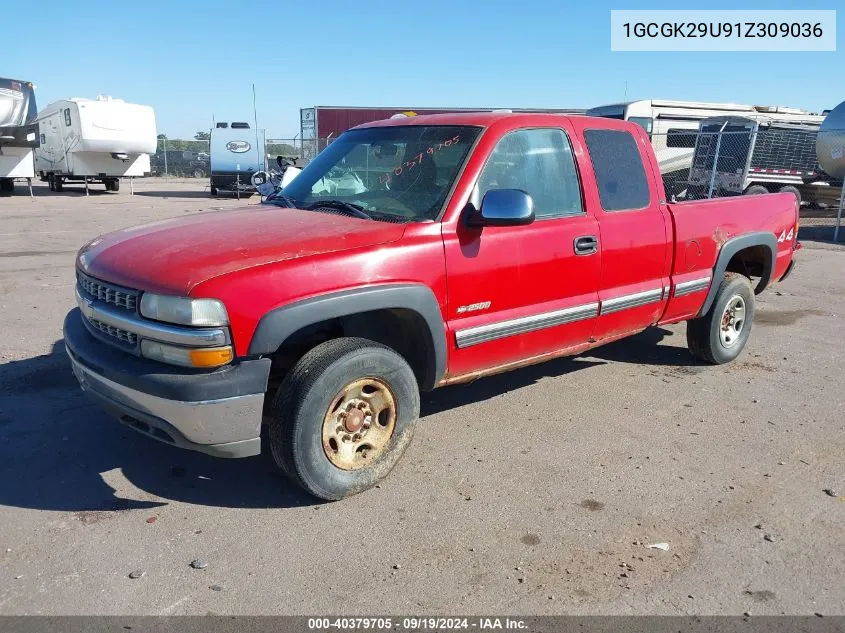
(672, 127)
(767, 151)
(94, 140)
(18, 132)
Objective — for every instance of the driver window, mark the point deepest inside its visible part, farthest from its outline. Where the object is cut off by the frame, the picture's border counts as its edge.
(540, 162)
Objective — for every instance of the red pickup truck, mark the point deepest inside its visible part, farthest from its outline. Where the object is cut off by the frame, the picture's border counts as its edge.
(408, 255)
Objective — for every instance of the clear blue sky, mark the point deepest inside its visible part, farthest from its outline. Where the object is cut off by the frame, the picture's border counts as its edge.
(189, 59)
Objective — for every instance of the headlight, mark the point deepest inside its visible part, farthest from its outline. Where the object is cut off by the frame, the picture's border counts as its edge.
(183, 310)
(187, 356)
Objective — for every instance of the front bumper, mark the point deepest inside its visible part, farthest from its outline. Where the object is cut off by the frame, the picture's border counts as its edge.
(215, 412)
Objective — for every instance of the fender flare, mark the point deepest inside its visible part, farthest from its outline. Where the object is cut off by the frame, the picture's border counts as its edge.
(277, 325)
(731, 248)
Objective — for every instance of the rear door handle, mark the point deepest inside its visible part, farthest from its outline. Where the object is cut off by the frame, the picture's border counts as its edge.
(586, 245)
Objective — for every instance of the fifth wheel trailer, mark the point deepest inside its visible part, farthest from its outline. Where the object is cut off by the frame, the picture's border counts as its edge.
(94, 140)
(18, 132)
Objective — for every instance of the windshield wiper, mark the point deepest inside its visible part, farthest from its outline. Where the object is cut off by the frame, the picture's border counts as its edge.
(286, 201)
(353, 209)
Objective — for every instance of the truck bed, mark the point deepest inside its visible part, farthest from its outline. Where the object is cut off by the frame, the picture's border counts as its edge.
(703, 227)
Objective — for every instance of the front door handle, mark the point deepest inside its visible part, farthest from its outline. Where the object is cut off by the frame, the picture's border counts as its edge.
(586, 245)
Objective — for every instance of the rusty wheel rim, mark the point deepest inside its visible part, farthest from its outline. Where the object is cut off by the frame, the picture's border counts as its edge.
(359, 423)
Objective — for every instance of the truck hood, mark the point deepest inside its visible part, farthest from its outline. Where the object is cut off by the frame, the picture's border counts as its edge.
(173, 256)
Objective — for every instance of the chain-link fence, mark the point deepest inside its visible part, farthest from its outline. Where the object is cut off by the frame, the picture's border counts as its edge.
(735, 158)
(191, 158)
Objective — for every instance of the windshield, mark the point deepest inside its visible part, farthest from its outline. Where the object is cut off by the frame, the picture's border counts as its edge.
(402, 173)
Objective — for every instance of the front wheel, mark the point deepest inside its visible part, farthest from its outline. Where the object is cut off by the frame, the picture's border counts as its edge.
(720, 335)
(343, 417)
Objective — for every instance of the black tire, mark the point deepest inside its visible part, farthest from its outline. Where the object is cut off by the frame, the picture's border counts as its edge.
(115, 185)
(58, 184)
(705, 334)
(213, 190)
(302, 403)
(7, 185)
(755, 190)
(793, 190)
(51, 182)
(198, 173)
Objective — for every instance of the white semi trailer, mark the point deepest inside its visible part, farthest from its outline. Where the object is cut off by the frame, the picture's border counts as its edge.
(94, 140)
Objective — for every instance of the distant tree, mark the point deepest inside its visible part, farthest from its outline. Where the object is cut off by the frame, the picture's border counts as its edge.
(161, 136)
(202, 135)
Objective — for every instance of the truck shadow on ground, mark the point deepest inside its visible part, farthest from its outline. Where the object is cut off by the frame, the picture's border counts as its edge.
(59, 450)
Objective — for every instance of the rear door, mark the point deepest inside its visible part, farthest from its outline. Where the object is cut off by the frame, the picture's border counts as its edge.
(634, 228)
(522, 292)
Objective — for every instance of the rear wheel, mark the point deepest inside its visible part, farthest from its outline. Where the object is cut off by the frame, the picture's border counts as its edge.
(720, 335)
(7, 185)
(198, 173)
(51, 182)
(755, 190)
(58, 183)
(343, 417)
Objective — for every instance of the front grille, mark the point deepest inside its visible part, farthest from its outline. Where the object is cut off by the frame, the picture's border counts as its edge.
(108, 293)
(124, 336)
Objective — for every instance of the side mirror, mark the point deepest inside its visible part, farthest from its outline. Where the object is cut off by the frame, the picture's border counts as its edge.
(504, 207)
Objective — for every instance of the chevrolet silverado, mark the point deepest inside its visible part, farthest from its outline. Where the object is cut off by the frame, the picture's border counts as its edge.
(408, 255)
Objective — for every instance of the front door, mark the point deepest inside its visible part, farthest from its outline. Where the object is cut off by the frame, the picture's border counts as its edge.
(522, 292)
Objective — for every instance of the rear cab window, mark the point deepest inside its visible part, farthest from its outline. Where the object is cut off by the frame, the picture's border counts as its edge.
(618, 166)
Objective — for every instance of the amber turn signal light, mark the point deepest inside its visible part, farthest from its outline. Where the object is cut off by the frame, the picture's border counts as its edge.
(211, 357)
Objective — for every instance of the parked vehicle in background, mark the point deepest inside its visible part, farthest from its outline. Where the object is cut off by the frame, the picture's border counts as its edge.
(181, 163)
(761, 153)
(327, 313)
(18, 132)
(236, 153)
(94, 141)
